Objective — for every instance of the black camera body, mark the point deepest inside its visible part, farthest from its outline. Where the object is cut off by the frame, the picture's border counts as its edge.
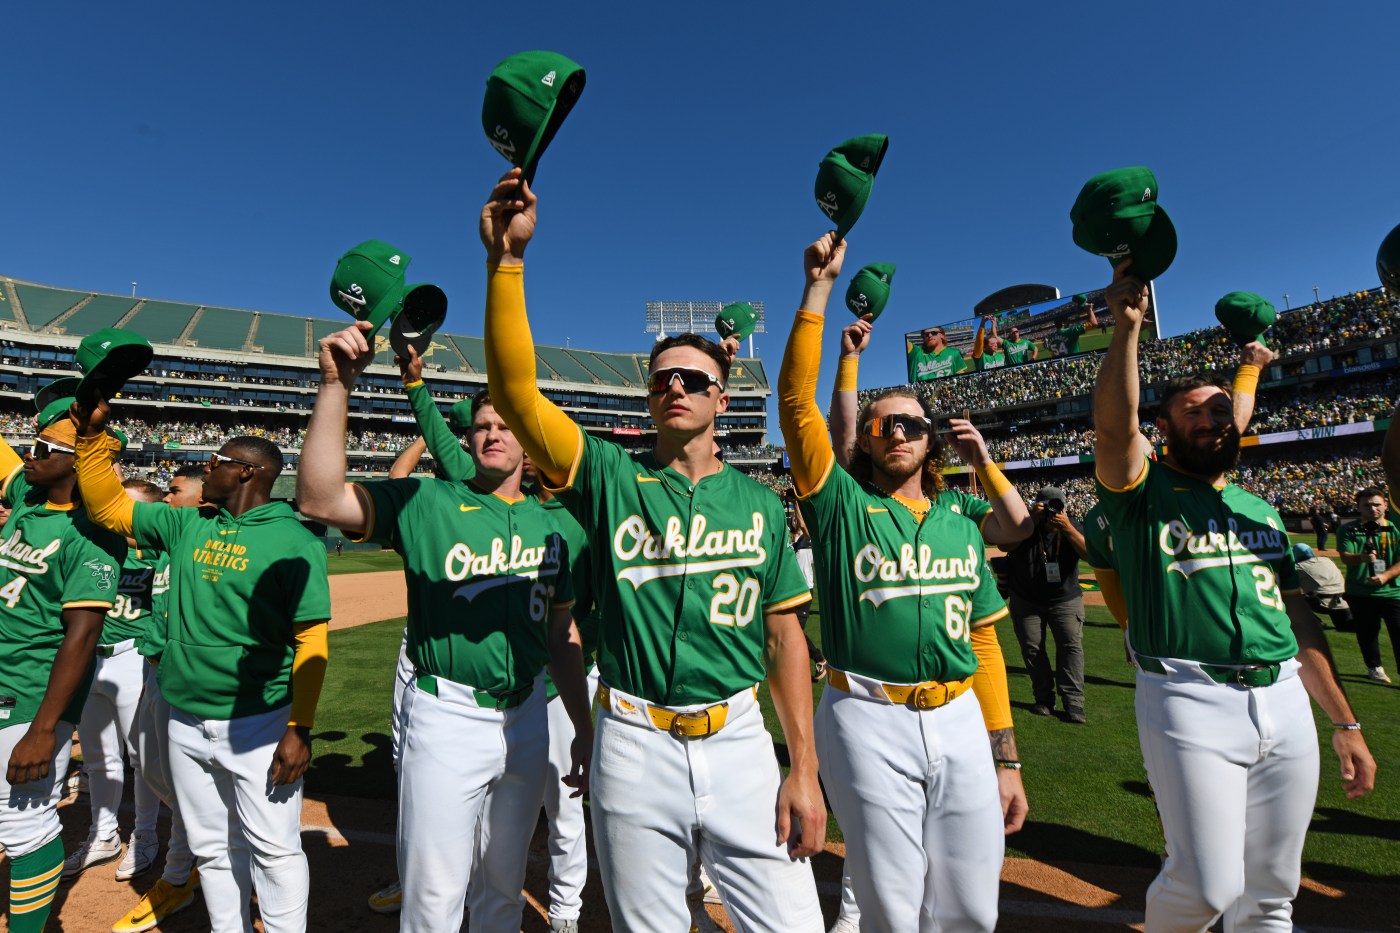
(1054, 506)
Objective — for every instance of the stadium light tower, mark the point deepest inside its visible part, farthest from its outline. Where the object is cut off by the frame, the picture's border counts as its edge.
(693, 317)
(133, 289)
(1316, 298)
(1286, 306)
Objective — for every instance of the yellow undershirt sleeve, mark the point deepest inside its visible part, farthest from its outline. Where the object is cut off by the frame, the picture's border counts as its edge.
(1246, 380)
(548, 435)
(994, 481)
(989, 682)
(309, 657)
(847, 369)
(801, 421)
(103, 497)
(1112, 588)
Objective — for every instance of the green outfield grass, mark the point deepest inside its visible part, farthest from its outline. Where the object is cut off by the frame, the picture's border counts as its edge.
(363, 562)
(1086, 784)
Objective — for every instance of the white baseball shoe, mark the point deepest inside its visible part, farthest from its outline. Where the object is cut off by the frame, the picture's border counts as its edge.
(141, 852)
(92, 852)
(1377, 674)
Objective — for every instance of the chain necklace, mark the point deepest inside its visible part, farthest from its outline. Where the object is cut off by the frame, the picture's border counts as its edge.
(910, 504)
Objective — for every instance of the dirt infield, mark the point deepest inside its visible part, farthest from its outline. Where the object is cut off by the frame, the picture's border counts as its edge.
(360, 598)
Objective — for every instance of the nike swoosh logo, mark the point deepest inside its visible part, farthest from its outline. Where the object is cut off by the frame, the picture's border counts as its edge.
(468, 508)
(230, 531)
(647, 479)
(873, 509)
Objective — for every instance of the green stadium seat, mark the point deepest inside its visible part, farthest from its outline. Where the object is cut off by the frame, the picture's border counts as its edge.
(281, 334)
(162, 321)
(615, 369)
(222, 329)
(42, 304)
(102, 311)
(473, 349)
(566, 367)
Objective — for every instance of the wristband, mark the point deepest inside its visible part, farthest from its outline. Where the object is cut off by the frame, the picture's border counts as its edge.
(1007, 764)
(415, 383)
(992, 479)
(1347, 726)
(846, 368)
(1246, 380)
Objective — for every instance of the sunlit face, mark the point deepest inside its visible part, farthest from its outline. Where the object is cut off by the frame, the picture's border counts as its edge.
(52, 466)
(686, 413)
(994, 344)
(1200, 431)
(222, 481)
(184, 492)
(493, 445)
(1372, 509)
(897, 456)
(934, 340)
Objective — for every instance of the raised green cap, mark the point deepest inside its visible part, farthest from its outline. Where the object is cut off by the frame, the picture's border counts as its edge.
(869, 290)
(459, 417)
(52, 412)
(527, 98)
(1388, 262)
(1117, 216)
(845, 177)
(1245, 315)
(737, 320)
(108, 358)
(424, 310)
(368, 282)
(65, 387)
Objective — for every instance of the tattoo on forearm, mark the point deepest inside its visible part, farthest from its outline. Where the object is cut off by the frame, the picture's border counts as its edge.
(1003, 744)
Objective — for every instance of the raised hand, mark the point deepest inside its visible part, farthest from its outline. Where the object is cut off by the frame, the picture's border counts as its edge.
(508, 219)
(345, 354)
(821, 262)
(855, 336)
(411, 369)
(90, 416)
(1128, 296)
(1255, 353)
(968, 442)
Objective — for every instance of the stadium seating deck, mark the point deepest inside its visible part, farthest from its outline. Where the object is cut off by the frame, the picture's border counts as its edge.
(160, 321)
(222, 329)
(7, 313)
(42, 305)
(281, 334)
(102, 311)
(613, 369)
(473, 349)
(559, 360)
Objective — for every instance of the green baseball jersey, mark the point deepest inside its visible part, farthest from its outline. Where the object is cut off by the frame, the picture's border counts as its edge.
(482, 574)
(1201, 568)
(1065, 341)
(1098, 539)
(446, 448)
(1352, 538)
(152, 642)
(50, 559)
(926, 365)
(1017, 351)
(684, 573)
(130, 615)
(965, 504)
(581, 572)
(989, 361)
(239, 587)
(899, 597)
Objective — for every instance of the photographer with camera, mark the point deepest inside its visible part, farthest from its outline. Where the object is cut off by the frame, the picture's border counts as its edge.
(1043, 572)
(1370, 549)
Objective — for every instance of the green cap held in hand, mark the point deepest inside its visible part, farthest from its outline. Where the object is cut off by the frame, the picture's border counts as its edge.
(737, 320)
(845, 177)
(527, 98)
(62, 388)
(869, 290)
(108, 358)
(368, 282)
(1245, 315)
(1117, 216)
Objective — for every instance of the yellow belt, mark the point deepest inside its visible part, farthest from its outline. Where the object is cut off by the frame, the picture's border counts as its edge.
(691, 724)
(930, 695)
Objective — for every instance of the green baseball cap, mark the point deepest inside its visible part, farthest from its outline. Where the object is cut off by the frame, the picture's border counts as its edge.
(1117, 216)
(63, 388)
(1245, 315)
(424, 310)
(368, 282)
(736, 320)
(845, 177)
(869, 290)
(108, 358)
(527, 98)
(459, 417)
(53, 412)
(1388, 262)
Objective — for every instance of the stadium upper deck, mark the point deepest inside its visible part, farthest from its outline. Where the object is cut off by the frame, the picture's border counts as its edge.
(212, 363)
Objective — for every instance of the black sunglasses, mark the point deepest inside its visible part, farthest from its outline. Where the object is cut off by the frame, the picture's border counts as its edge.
(216, 459)
(42, 449)
(913, 426)
(692, 380)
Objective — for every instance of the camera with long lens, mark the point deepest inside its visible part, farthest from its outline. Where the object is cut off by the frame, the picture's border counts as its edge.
(1054, 506)
(1372, 530)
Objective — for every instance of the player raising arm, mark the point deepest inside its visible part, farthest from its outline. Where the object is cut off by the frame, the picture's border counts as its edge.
(688, 553)
(908, 606)
(1226, 648)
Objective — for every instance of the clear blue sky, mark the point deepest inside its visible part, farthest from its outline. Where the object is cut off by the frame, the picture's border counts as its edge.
(229, 154)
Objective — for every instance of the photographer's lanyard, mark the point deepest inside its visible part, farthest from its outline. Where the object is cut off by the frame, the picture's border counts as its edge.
(1052, 556)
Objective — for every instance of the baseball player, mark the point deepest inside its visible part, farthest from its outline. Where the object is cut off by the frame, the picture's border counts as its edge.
(174, 890)
(107, 728)
(688, 553)
(908, 606)
(242, 666)
(60, 577)
(1227, 650)
(488, 607)
(1065, 341)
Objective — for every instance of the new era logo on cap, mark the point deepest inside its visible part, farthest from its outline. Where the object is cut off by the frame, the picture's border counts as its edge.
(394, 259)
(548, 80)
(1147, 195)
(106, 344)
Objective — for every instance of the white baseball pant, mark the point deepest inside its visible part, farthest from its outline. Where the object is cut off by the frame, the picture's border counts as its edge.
(917, 797)
(151, 740)
(29, 811)
(654, 793)
(220, 767)
(403, 674)
(568, 847)
(471, 783)
(1235, 771)
(105, 731)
